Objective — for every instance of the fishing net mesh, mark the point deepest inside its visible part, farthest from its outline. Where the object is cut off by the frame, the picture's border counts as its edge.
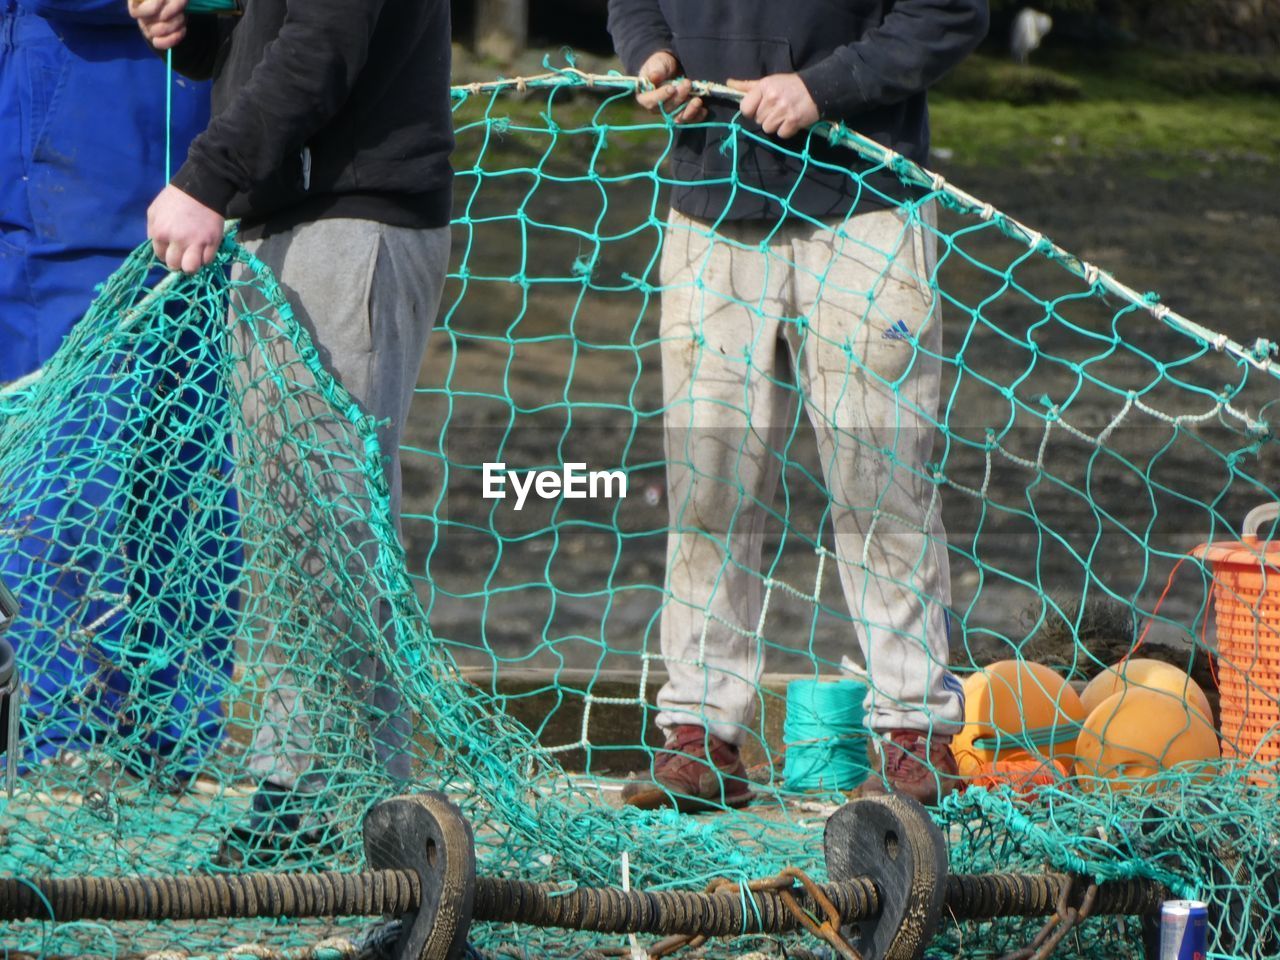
(195, 518)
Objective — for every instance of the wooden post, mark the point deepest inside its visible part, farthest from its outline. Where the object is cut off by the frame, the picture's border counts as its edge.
(502, 28)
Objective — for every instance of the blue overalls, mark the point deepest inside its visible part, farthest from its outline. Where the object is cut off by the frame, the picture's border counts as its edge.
(82, 135)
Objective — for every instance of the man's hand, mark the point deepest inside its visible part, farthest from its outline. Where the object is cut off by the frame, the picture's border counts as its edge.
(184, 233)
(780, 103)
(162, 22)
(666, 96)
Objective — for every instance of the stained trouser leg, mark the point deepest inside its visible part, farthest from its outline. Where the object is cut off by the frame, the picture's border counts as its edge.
(728, 397)
(870, 369)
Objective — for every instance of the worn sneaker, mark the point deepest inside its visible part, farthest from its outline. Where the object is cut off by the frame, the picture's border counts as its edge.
(910, 763)
(282, 829)
(696, 771)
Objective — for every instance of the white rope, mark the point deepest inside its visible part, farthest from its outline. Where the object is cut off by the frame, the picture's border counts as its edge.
(870, 150)
(1110, 428)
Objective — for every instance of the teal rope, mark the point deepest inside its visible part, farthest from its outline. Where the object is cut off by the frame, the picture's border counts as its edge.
(212, 6)
(826, 741)
(168, 115)
(193, 6)
(1004, 809)
(1032, 737)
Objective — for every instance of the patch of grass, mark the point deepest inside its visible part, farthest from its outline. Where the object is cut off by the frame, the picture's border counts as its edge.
(1000, 81)
(1213, 134)
(1168, 114)
(1164, 114)
(1220, 74)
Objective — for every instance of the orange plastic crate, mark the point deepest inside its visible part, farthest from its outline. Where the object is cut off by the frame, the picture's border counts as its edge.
(1246, 601)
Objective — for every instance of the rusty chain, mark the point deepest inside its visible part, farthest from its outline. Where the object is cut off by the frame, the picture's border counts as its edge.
(782, 884)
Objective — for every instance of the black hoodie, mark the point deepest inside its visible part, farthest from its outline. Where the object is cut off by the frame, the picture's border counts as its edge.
(865, 62)
(323, 108)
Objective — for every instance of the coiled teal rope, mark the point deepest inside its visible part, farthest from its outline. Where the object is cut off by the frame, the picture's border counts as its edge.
(826, 742)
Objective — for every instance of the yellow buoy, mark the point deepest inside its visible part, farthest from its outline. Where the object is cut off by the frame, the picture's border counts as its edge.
(1138, 733)
(1013, 710)
(1142, 673)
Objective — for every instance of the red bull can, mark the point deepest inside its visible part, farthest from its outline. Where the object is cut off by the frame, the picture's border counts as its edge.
(1184, 930)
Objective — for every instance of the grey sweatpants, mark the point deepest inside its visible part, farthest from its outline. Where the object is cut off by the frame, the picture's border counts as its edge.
(367, 294)
(754, 316)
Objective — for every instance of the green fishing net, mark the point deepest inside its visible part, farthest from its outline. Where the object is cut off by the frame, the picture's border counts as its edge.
(195, 518)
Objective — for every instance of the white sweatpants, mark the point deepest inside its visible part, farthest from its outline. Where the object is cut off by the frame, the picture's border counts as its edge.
(754, 315)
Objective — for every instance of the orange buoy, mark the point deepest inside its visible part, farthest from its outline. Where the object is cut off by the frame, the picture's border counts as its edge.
(1141, 673)
(1016, 710)
(1136, 734)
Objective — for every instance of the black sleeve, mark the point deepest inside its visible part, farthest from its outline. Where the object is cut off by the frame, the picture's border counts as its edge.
(918, 42)
(639, 30)
(304, 77)
(195, 55)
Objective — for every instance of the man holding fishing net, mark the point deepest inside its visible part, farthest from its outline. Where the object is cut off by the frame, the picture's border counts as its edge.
(330, 142)
(791, 268)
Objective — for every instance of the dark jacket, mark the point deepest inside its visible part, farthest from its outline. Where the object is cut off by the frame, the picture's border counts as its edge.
(323, 108)
(866, 63)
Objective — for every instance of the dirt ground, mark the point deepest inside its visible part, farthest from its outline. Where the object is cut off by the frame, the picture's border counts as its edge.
(549, 354)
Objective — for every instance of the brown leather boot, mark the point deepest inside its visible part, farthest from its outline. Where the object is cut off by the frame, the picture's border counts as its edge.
(910, 763)
(696, 772)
